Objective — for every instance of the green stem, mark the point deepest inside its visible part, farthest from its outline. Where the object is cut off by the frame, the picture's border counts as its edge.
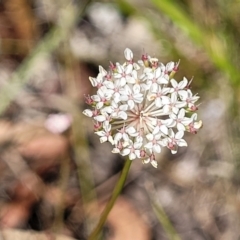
(115, 194)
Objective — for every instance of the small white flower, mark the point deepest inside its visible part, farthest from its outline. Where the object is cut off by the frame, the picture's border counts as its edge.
(159, 96)
(195, 125)
(154, 139)
(103, 95)
(179, 87)
(180, 120)
(133, 150)
(173, 104)
(119, 111)
(99, 80)
(174, 140)
(139, 107)
(188, 97)
(124, 73)
(131, 96)
(106, 134)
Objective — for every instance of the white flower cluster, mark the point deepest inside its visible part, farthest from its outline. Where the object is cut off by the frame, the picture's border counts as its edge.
(137, 106)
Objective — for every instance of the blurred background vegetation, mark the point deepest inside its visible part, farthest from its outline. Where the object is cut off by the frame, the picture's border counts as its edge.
(53, 168)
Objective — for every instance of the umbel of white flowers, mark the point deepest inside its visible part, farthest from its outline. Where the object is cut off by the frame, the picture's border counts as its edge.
(139, 108)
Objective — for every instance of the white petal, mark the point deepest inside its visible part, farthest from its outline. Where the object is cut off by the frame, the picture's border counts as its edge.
(145, 161)
(170, 133)
(149, 145)
(149, 75)
(138, 98)
(124, 97)
(181, 127)
(149, 137)
(164, 129)
(174, 97)
(180, 104)
(117, 137)
(136, 66)
(158, 102)
(125, 151)
(108, 84)
(100, 118)
(179, 134)
(128, 54)
(156, 148)
(136, 88)
(99, 105)
(174, 151)
(166, 109)
(164, 142)
(162, 80)
(137, 152)
(139, 139)
(154, 163)
(186, 121)
(134, 74)
(198, 125)
(129, 69)
(169, 122)
(122, 82)
(131, 130)
(156, 130)
(110, 139)
(183, 94)
(132, 156)
(174, 83)
(88, 113)
(108, 109)
(117, 75)
(181, 113)
(124, 107)
(183, 83)
(103, 139)
(154, 88)
(102, 71)
(165, 90)
(106, 126)
(137, 145)
(123, 115)
(170, 66)
(125, 137)
(95, 98)
(165, 100)
(175, 110)
(182, 143)
(130, 79)
(116, 97)
(158, 72)
(194, 117)
(115, 150)
(93, 81)
(120, 68)
(131, 104)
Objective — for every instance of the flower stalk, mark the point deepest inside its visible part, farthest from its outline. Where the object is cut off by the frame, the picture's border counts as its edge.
(117, 190)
